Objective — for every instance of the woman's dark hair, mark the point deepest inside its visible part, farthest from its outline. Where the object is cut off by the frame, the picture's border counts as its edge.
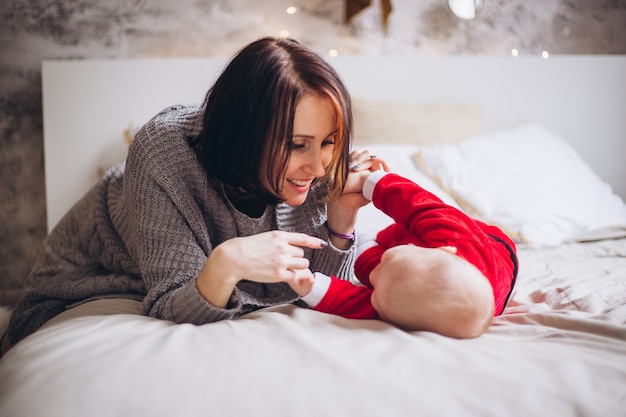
(249, 112)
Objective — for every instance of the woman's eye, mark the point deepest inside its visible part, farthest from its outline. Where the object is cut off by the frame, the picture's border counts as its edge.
(297, 145)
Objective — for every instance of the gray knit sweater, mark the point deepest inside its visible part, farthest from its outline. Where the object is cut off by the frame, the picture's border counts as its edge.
(145, 231)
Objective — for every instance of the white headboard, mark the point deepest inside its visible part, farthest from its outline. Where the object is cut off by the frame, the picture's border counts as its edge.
(88, 104)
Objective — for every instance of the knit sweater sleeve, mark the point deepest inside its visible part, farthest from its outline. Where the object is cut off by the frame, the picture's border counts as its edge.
(161, 219)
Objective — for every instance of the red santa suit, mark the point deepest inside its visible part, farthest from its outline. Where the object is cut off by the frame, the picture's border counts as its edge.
(422, 219)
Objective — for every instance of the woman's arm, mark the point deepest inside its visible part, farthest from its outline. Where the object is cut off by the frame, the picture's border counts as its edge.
(342, 213)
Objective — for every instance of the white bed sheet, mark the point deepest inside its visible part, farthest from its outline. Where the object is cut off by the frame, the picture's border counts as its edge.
(558, 350)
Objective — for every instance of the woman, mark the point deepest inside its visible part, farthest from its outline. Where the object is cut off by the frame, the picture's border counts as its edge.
(217, 204)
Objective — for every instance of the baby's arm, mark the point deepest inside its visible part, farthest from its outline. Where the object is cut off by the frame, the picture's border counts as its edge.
(424, 216)
(332, 295)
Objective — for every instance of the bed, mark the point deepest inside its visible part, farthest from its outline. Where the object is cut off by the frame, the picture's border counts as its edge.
(495, 148)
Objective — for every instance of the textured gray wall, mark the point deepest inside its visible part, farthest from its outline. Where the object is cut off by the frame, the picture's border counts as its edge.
(33, 30)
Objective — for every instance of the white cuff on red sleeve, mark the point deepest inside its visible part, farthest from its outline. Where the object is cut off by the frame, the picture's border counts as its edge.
(366, 240)
(319, 290)
(370, 183)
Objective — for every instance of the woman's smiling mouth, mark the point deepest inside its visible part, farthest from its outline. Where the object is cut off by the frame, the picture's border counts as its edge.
(300, 183)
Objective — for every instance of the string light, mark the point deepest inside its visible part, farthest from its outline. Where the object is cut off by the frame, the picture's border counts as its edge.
(333, 52)
(545, 55)
(289, 10)
(514, 52)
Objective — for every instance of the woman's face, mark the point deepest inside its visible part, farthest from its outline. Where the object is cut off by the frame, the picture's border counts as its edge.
(313, 142)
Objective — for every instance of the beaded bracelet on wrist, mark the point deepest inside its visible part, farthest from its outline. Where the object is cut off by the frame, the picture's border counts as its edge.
(350, 236)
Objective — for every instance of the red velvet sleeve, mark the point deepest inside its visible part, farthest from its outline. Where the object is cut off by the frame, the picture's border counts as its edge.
(366, 262)
(345, 299)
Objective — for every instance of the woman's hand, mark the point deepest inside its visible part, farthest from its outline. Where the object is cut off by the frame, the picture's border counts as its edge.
(355, 181)
(362, 159)
(266, 257)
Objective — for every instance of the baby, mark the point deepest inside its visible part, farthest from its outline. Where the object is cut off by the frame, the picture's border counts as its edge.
(433, 269)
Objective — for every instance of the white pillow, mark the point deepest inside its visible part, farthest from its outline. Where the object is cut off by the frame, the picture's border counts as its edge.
(399, 158)
(526, 180)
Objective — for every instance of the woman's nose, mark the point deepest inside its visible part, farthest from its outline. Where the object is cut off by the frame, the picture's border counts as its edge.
(317, 165)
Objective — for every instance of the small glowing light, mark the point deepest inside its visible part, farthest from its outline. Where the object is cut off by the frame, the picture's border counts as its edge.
(514, 52)
(333, 52)
(291, 9)
(545, 55)
(284, 33)
(465, 9)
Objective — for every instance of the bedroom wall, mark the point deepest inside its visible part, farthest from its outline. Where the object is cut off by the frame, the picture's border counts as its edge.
(33, 30)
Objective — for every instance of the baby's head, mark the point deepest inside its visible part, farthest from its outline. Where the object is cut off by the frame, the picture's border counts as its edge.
(418, 288)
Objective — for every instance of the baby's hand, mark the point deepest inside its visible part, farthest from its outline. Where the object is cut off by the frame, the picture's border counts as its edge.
(302, 282)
